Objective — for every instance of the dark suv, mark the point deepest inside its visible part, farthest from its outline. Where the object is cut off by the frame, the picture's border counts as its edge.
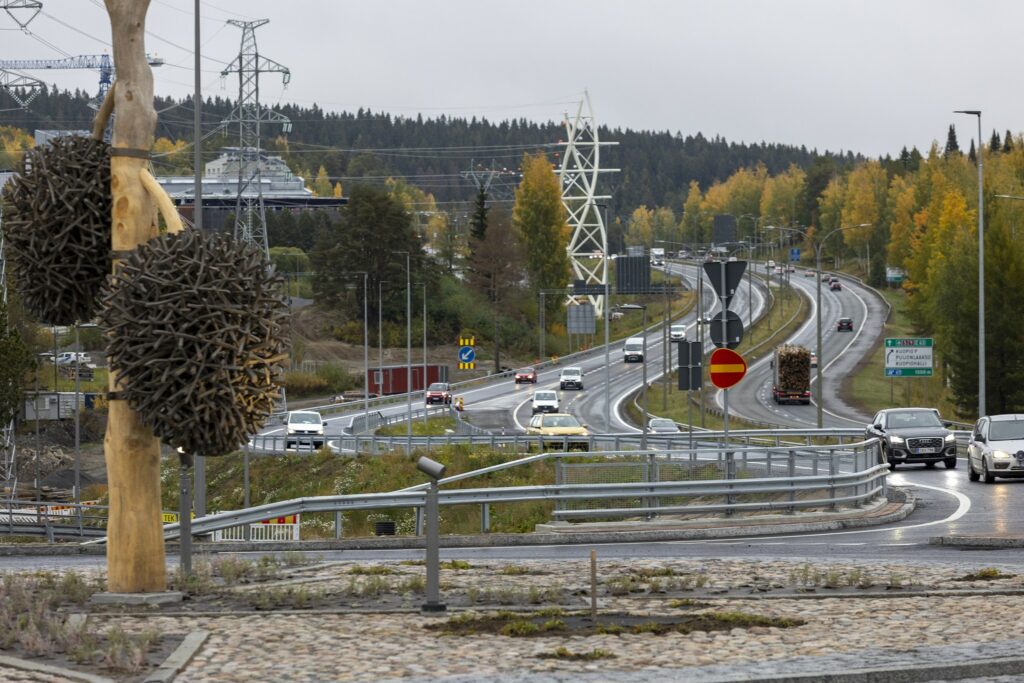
(913, 435)
(844, 325)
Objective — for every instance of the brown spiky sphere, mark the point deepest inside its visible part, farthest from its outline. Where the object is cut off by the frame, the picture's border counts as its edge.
(196, 334)
(57, 228)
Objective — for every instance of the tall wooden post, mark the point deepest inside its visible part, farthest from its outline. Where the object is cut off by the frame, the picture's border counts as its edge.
(135, 544)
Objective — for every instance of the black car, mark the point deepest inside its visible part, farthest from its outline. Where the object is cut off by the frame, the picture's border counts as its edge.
(912, 435)
(844, 325)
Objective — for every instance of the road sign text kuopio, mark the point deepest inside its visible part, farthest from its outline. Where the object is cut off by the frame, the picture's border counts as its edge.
(908, 357)
(467, 354)
(726, 368)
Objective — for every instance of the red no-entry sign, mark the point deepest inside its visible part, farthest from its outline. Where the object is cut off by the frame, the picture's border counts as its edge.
(726, 367)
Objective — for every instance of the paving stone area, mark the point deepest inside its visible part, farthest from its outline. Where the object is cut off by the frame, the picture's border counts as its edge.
(896, 620)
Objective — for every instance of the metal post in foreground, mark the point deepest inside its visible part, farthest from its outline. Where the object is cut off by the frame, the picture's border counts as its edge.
(424, 350)
(435, 471)
(185, 514)
(981, 268)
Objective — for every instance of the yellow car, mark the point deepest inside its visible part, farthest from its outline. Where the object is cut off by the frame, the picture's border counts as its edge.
(560, 425)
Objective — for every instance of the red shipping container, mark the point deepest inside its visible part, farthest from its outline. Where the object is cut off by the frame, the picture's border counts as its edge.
(393, 379)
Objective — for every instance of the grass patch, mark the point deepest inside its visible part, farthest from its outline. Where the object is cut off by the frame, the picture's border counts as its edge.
(434, 426)
(373, 570)
(541, 623)
(567, 655)
(323, 473)
(456, 564)
(986, 574)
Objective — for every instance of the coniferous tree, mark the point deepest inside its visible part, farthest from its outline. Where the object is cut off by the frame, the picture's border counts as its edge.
(478, 225)
(952, 146)
(1008, 141)
(972, 154)
(994, 144)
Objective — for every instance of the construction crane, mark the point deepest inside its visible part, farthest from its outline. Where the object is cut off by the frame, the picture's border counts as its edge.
(101, 62)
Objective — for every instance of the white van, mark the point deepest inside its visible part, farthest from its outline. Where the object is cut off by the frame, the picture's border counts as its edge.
(677, 332)
(545, 401)
(633, 350)
(305, 427)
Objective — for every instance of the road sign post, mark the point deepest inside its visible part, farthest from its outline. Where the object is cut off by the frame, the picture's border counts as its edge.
(726, 368)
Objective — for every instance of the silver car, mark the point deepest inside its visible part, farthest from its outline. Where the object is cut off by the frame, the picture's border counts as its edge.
(996, 448)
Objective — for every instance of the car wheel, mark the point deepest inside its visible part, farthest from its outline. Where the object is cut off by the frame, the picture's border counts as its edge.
(950, 463)
(971, 474)
(985, 474)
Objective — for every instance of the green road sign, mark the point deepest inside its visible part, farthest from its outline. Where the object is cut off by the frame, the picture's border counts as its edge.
(908, 357)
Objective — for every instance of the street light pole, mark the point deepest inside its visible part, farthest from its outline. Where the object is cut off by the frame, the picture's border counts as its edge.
(380, 336)
(366, 349)
(408, 343)
(981, 268)
(607, 322)
(424, 348)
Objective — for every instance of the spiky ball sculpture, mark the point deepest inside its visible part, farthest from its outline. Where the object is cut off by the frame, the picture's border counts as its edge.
(195, 328)
(57, 228)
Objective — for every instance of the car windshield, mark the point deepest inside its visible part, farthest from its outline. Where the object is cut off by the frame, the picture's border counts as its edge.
(679, 328)
(913, 418)
(1006, 430)
(846, 321)
(438, 386)
(634, 346)
(525, 371)
(561, 421)
(545, 396)
(663, 424)
(572, 371)
(305, 418)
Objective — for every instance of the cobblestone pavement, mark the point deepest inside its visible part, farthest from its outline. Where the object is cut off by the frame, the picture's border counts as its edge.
(857, 614)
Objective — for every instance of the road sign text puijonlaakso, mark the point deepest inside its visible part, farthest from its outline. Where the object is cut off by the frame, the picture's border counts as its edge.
(909, 357)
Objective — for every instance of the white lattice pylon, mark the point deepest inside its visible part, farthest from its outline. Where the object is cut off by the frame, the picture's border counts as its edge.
(578, 174)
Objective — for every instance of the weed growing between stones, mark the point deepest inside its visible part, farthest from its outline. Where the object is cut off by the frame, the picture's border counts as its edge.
(564, 653)
(372, 570)
(459, 565)
(986, 574)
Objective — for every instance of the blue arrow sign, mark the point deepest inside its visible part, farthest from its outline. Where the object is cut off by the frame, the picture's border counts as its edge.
(467, 354)
(794, 255)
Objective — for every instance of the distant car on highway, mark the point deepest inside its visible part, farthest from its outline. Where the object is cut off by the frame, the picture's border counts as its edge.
(559, 425)
(304, 427)
(571, 378)
(545, 401)
(791, 269)
(814, 360)
(808, 273)
(662, 425)
(996, 448)
(677, 332)
(528, 374)
(438, 392)
(633, 350)
(844, 325)
(913, 435)
(835, 286)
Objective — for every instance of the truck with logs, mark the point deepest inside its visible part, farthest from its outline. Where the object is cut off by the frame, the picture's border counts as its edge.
(791, 375)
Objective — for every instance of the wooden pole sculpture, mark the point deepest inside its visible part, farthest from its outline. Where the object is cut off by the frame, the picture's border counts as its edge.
(135, 543)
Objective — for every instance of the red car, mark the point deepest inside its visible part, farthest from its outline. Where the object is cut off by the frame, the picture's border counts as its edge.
(526, 375)
(438, 392)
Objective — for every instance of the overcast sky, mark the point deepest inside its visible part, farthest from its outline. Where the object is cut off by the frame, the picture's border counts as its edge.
(868, 76)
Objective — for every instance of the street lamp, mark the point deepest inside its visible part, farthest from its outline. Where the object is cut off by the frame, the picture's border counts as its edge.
(380, 335)
(981, 268)
(818, 244)
(643, 325)
(607, 323)
(408, 343)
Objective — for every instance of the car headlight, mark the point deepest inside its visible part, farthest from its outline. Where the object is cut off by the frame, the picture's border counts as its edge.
(896, 440)
(950, 438)
(1000, 455)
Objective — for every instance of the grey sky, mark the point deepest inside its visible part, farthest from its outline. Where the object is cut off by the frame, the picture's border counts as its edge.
(868, 76)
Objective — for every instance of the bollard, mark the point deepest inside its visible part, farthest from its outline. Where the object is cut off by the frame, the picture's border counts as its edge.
(485, 518)
(593, 585)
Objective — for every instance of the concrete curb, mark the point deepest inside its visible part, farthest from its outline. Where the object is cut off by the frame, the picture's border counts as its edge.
(178, 659)
(62, 673)
(1002, 666)
(906, 499)
(978, 541)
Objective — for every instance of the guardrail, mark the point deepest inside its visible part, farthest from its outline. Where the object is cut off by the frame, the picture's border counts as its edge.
(743, 478)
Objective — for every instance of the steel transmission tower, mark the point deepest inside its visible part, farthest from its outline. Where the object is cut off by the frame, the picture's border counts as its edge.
(250, 214)
(484, 178)
(578, 175)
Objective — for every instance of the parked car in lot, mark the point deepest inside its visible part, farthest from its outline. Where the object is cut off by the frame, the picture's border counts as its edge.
(844, 325)
(677, 332)
(526, 375)
(571, 378)
(304, 427)
(913, 435)
(71, 357)
(662, 425)
(996, 448)
(560, 425)
(545, 401)
(438, 392)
